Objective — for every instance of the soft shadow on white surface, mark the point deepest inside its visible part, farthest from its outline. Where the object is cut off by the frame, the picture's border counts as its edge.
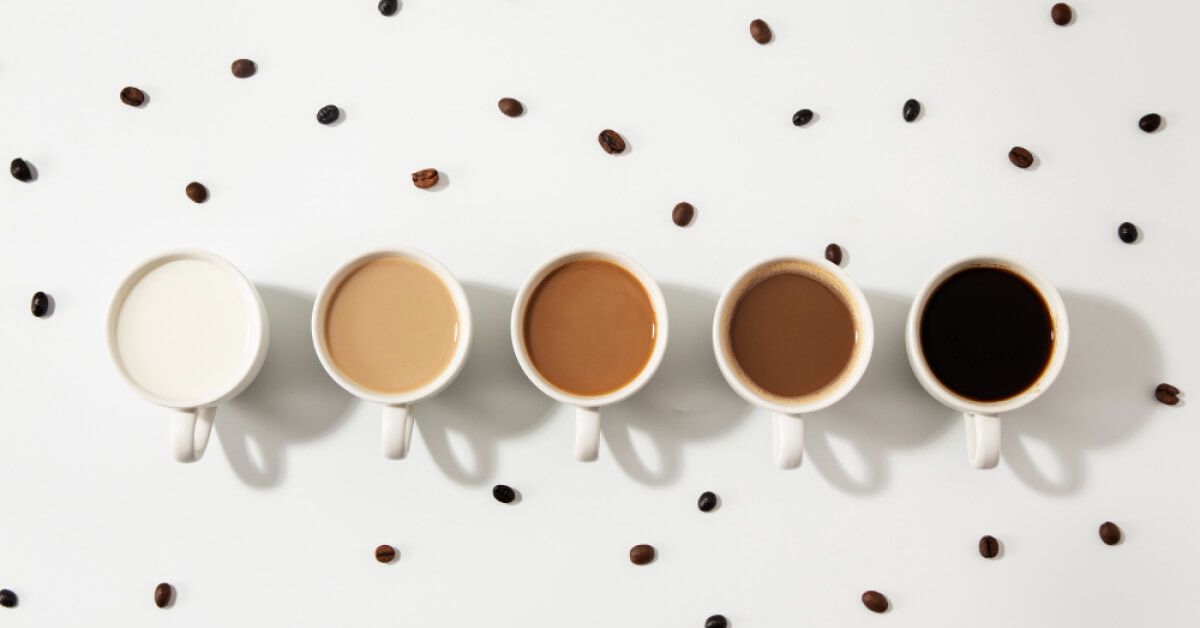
(292, 400)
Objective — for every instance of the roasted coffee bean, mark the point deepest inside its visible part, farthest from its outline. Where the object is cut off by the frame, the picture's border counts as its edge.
(611, 142)
(875, 601)
(388, 7)
(504, 493)
(1166, 393)
(1150, 122)
(760, 31)
(133, 96)
(716, 621)
(833, 253)
(196, 191)
(1061, 14)
(912, 109)
(385, 553)
(328, 114)
(243, 68)
(707, 501)
(20, 170)
(40, 305)
(163, 594)
(511, 107)
(989, 547)
(1110, 533)
(802, 117)
(1128, 232)
(1020, 157)
(641, 554)
(426, 178)
(8, 599)
(683, 213)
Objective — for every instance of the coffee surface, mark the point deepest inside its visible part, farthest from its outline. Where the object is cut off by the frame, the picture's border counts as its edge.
(589, 327)
(791, 334)
(391, 325)
(986, 334)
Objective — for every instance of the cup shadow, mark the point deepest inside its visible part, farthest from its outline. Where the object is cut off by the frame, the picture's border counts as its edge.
(291, 401)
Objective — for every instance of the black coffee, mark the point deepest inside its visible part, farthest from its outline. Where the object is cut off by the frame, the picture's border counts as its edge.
(986, 334)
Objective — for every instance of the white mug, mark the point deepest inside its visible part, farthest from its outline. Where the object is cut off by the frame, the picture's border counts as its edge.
(982, 418)
(187, 331)
(397, 421)
(787, 427)
(587, 408)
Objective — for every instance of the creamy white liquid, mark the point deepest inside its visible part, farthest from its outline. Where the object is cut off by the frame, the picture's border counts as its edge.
(182, 331)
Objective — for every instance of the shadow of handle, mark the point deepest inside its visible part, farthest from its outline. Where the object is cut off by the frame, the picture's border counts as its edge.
(983, 439)
(190, 429)
(587, 434)
(397, 431)
(787, 432)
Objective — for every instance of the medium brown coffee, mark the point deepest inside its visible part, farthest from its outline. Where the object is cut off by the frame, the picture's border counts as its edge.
(589, 327)
(790, 333)
(391, 325)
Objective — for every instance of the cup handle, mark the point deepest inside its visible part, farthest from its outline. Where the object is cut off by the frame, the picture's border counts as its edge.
(397, 431)
(190, 429)
(983, 439)
(788, 434)
(587, 434)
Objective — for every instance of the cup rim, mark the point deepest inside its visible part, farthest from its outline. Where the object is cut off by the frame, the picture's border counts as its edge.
(517, 327)
(257, 327)
(457, 295)
(1058, 319)
(865, 344)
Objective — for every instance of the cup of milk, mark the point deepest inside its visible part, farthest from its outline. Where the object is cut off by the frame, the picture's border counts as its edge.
(187, 331)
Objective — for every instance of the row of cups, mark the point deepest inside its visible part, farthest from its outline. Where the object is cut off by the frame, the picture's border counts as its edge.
(187, 331)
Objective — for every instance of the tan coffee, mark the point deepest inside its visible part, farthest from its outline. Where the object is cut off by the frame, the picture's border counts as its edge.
(391, 325)
(589, 327)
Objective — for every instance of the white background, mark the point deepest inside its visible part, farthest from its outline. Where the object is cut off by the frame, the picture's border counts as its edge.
(276, 525)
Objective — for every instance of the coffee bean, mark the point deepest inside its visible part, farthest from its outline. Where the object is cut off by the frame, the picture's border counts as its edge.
(328, 114)
(716, 621)
(1128, 232)
(504, 493)
(40, 305)
(760, 31)
(1061, 14)
(1020, 157)
(707, 501)
(8, 599)
(683, 213)
(196, 191)
(611, 142)
(243, 68)
(833, 253)
(1150, 122)
(989, 547)
(388, 7)
(133, 96)
(511, 107)
(875, 601)
(426, 178)
(641, 554)
(1110, 533)
(385, 553)
(1166, 393)
(163, 594)
(802, 117)
(20, 170)
(912, 109)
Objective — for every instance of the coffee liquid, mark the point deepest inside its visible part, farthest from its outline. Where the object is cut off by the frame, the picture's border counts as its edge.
(589, 327)
(791, 335)
(986, 334)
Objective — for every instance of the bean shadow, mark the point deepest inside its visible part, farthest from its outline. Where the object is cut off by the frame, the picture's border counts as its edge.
(686, 400)
(291, 401)
(491, 400)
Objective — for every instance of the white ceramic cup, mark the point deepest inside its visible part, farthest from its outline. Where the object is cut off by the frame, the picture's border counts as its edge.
(587, 408)
(787, 422)
(983, 418)
(193, 417)
(397, 421)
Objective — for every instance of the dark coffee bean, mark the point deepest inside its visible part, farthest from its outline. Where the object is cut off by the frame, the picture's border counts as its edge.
(760, 31)
(511, 107)
(1167, 397)
(40, 305)
(833, 253)
(1020, 157)
(1061, 14)
(641, 554)
(243, 68)
(802, 117)
(912, 109)
(1110, 533)
(163, 594)
(328, 114)
(683, 213)
(385, 553)
(20, 170)
(8, 599)
(1128, 232)
(875, 601)
(426, 178)
(611, 142)
(133, 96)
(989, 547)
(1150, 122)
(196, 191)
(707, 501)
(716, 621)
(504, 493)
(388, 7)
